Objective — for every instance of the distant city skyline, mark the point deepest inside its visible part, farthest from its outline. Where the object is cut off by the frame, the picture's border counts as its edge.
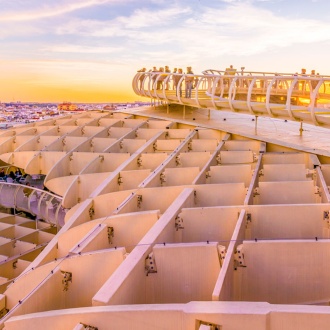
(89, 50)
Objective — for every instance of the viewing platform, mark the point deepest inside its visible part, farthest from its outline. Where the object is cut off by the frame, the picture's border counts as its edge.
(303, 98)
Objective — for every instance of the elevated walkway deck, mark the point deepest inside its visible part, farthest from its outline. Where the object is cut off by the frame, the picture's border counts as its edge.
(288, 96)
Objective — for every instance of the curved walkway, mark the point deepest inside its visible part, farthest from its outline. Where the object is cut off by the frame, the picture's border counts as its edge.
(294, 97)
(44, 205)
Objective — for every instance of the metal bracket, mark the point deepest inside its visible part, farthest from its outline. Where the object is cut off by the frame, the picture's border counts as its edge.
(139, 161)
(162, 178)
(178, 223)
(256, 192)
(15, 264)
(150, 264)
(189, 145)
(317, 190)
(222, 254)
(248, 220)
(239, 257)
(139, 200)
(111, 234)
(195, 197)
(120, 180)
(91, 212)
(67, 277)
(326, 218)
(154, 146)
(88, 327)
(218, 159)
(3, 312)
(261, 172)
(208, 325)
(178, 161)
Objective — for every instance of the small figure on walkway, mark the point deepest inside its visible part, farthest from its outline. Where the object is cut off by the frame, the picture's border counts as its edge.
(176, 79)
(141, 78)
(27, 191)
(189, 80)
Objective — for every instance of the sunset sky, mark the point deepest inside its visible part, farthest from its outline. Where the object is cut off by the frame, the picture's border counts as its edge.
(89, 50)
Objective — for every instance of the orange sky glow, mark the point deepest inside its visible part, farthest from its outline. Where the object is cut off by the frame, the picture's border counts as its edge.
(90, 50)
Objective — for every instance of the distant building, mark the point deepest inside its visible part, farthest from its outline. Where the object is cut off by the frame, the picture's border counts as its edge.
(67, 106)
(109, 107)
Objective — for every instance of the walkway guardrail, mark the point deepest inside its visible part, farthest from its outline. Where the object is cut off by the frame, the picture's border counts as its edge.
(43, 204)
(284, 95)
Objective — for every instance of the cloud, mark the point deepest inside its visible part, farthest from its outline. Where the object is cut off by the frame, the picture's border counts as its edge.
(50, 10)
(239, 26)
(83, 49)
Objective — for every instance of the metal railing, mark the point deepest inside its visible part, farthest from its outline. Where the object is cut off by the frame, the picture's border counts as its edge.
(294, 96)
(43, 204)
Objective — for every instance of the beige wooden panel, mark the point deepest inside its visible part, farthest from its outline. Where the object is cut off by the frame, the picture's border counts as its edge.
(152, 160)
(325, 168)
(71, 142)
(284, 158)
(178, 133)
(118, 132)
(284, 172)
(92, 130)
(204, 144)
(131, 145)
(185, 272)
(295, 192)
(152, 199)
(42, 281)
(236, 157)
(132, 122)
(282, 272)
(210, 134)
(220, 194)
(180, 176)
(237, 145)
(104, 122)
(131, 179)
(231, 174)
(155, 124)
(194, 159)
(287, 221)
(128, 231)
(100, 144)
(147, 133)
(167, 145)
(208, 224)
